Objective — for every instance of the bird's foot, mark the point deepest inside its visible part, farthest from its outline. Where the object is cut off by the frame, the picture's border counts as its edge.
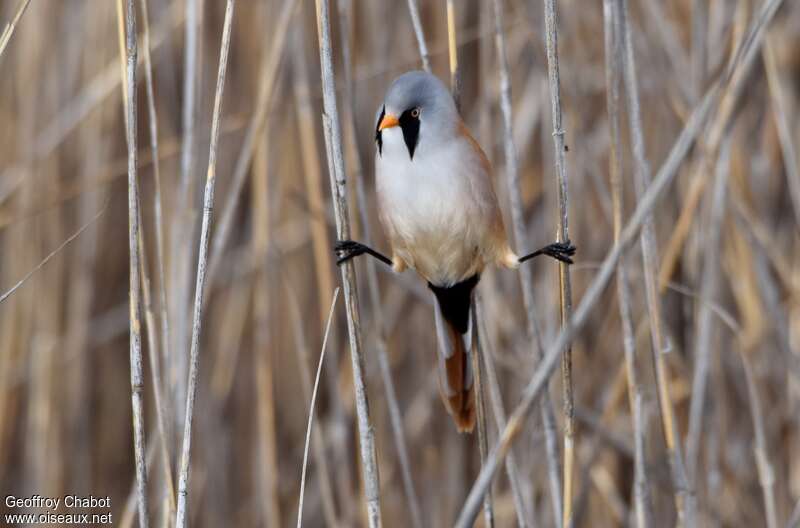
(347, 249)
(561, 251)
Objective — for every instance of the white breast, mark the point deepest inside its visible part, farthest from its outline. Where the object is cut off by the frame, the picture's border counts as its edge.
(435, 208)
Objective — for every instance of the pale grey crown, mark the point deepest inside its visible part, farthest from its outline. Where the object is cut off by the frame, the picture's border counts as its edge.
(439, 116)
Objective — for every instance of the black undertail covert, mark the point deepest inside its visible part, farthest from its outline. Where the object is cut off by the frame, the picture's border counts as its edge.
(455, 301)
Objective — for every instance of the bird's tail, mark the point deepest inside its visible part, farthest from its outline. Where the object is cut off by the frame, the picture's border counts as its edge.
(454, 338)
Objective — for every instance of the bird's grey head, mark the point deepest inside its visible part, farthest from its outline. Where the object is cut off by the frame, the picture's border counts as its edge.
(420, 105)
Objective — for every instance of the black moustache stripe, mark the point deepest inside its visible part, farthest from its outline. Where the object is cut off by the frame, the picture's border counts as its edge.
(410, 126)
(378, 136)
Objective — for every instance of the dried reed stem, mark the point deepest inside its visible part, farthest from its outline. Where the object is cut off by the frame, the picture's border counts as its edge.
(499, 413)
(699, 56)
(308, 128)
(565, 285)
(613, 62)
(480, 404)
(155, 366)
(526, 280)
(262, 236)
(164, 429)
(8, 293)
(129, 511)
(317, 444)
(8, 31)
(455, 72)
(137, 381)
(766, 475)
(183, 218)
(708, 292)
(267, 81)
(593, 294)
(735, 75)
(333, 143)
(197, 318)
(650, 263)
(311, 408)
(101, 86)
(780, 114)
(395, 414)
(157, 210)
(641, 485)
(413, 9)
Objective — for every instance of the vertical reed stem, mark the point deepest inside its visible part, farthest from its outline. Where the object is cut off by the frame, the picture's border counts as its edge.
(538, 381)
(157, 210)
(137, 381)
(333, 141)
(480, 403)
(311, 408)
(197, 319)
(382, 349)
(413, 9)
(551, 29)
(455, 72)
(650, 265)
(613, 62)
(526, 280)
(5, 36)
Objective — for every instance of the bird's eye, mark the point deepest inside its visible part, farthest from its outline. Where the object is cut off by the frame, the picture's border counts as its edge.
(415, 113)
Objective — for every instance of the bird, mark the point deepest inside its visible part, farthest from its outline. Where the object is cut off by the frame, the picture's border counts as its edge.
(442, 219)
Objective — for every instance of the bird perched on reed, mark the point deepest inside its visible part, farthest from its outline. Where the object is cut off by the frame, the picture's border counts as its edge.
(442, 218)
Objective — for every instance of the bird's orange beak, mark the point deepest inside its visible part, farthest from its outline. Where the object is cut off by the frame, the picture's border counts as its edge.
(388, 121)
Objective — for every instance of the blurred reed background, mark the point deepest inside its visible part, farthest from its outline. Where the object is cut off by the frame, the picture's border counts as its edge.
(725, 270)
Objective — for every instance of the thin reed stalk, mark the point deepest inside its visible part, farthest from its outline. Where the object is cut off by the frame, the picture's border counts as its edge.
(183, 221)
(333, 143)
(9, 292)
(157, 202)
(526, 280)
(480, 408)
(419, 33)
(129, 510)
(642, 180)
(455, 72)
(164, 429)
(8, 31)
(641, 483)
(699, 55)
(197, 318)
(317, 440)
(155, 366)
(311, 408)
(613, 63)
(565, 285)
(134, 292)
(261, 239)
(498, 410)
(744, 53)
(395, 414)
(593, 294)
(766, 474)
(780, 112)
(708, 291)
(101, 86)
(308, 126)
(267, 80)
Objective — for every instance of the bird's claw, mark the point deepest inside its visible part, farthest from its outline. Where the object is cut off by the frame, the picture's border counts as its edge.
(561, 251)
(347, 249)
